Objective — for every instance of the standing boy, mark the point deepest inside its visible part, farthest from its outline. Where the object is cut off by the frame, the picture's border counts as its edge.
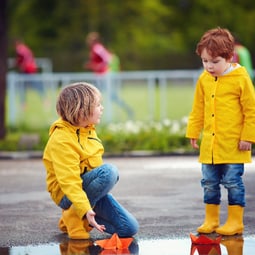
(224, 111)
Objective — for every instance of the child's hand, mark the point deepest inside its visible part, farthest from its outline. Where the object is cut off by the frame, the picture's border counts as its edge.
(91, 219)
(193, 143)
(245, 146)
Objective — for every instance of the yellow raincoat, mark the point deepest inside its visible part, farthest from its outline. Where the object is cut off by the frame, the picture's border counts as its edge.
(70, 152)
(224, 112)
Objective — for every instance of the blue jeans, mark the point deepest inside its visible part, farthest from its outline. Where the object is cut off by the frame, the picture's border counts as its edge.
(230, 176)
(97, 183)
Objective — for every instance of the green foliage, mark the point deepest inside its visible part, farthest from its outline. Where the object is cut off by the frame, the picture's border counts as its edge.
(146, 34)
(163, 135)
(160, 137)
(10, 142)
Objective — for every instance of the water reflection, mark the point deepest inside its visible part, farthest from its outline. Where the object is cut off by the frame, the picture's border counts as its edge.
(229, 246)
(78, 247)
(4, 250)
(233, 245)
(206, 249)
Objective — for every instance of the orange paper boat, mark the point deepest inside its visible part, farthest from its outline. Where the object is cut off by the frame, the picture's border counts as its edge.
(203, 239)
(114, 243)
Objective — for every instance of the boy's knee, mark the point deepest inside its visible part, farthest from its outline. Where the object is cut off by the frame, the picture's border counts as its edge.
(112, 171)
(230, 185)
(130, 230)
(134, 229)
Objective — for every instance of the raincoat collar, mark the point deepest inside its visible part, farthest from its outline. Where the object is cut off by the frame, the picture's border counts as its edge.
(60, 123)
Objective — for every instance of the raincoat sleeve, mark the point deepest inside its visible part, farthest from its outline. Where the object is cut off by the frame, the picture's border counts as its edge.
(247, 101)
(66, 165)
(196, 117)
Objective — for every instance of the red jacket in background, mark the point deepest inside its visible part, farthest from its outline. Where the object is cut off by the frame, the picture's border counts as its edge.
(99, 59)
(25, 59)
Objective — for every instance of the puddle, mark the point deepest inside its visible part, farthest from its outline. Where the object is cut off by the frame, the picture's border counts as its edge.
(228, 246)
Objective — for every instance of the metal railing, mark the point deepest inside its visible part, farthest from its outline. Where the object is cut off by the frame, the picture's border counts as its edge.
(52, 82)
(44, 64)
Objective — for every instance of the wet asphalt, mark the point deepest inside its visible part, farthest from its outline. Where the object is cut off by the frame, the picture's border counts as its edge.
(163, 193)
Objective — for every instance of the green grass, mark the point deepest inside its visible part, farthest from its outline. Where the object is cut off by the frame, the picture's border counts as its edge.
(178, 102)
(36, 113)
(147, 131)
(40, 112)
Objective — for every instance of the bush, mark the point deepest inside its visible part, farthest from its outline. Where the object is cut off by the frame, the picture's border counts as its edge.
(163, 137)
(160, 137)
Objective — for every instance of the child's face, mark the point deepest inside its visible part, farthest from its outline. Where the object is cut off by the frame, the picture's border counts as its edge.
(216, 66)
(95, 116)
(97, 113)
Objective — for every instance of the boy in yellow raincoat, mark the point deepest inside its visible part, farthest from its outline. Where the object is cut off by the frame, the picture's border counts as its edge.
(224, 112)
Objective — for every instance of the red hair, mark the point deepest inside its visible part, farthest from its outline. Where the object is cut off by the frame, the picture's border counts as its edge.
(217, 42)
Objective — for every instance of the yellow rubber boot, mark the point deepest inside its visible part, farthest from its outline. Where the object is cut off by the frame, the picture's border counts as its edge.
(234, 224)
(61, 224)
(74, 225)
(63, 228)
(211, 222)
(234, 245)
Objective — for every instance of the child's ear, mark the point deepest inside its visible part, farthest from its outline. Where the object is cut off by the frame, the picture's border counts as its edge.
(231, 58)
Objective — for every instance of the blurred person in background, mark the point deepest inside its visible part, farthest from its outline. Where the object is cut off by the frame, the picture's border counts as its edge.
(99, 56)
(243, 57)
(25, 60)
(104, 64)
(26, 64)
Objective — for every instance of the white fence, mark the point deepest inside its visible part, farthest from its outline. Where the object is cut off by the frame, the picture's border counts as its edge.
(52, 82)
(44, 64)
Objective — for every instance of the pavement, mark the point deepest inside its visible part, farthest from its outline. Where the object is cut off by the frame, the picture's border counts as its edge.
(163, 193)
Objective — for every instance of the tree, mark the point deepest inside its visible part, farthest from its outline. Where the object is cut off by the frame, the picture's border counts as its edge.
(3, 65)
(145, 34)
